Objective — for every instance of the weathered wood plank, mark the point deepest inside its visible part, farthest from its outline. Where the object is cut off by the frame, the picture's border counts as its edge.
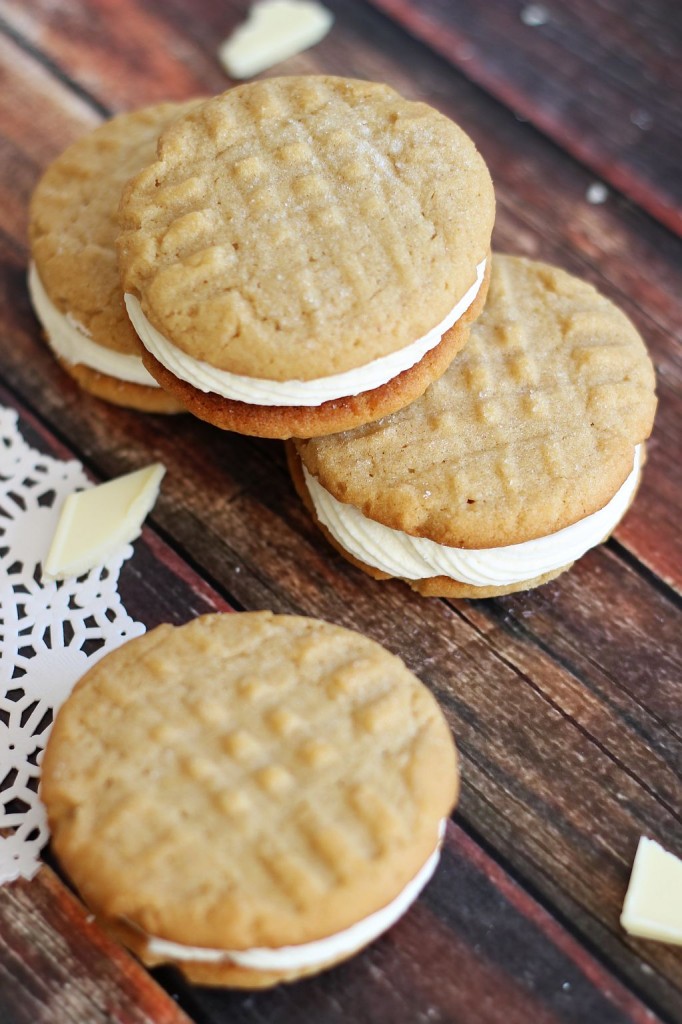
(601, 79)
(99, 38)
(23, 82)
(57, 965)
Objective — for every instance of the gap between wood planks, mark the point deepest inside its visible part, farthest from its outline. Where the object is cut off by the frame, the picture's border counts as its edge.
(530, 637)
(659, 584)
(562, 918)
(561, 659)
(53, 67)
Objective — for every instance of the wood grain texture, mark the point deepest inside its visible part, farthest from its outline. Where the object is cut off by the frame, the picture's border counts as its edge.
(565, 701)
(57, 965)
(601, 79)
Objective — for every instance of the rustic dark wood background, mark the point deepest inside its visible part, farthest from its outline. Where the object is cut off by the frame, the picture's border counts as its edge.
(565, 701)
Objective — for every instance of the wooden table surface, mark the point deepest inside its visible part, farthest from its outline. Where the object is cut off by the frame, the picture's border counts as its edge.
(565, 701)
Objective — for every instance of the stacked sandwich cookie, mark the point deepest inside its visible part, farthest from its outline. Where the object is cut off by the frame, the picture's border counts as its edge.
(305, 254)
(300, 255)
(524, 455)
(262, 798)
(73, 277)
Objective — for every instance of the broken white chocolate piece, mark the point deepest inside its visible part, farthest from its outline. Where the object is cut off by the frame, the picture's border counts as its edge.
(653, 902)
(274, 31)
(96, 523)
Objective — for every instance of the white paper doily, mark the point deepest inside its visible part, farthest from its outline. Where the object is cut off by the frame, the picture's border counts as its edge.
(50, 634)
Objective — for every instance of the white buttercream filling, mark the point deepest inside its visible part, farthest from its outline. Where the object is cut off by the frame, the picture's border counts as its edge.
(71, 340)
(309, 954)
(416, 558)
(259, 391)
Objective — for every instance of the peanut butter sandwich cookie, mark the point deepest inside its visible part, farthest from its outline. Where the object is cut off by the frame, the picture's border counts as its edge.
(73, 277)
(522, 457)
(305, 254)
(250, 797)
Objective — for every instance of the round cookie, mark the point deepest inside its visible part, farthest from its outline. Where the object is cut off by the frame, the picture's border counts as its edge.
(526, 453)
(305, 254)
(73, 280)
(262, 797)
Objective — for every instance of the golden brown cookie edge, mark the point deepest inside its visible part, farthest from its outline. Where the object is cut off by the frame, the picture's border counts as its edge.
(123, 393)
(223, 974)
(283, 422)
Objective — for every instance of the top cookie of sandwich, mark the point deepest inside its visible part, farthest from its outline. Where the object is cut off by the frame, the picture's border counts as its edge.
(74, 223)
(301, 227)
(532, 428)
(247, 780)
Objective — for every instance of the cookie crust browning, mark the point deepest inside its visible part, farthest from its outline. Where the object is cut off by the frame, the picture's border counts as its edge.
(532, 428)
(247, 780)
(343, 414)
(121, 392)
(295, 228)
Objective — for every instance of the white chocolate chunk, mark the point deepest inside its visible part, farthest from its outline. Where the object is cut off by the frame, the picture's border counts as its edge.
(653, 902)
(274, 31)
(96, 523)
